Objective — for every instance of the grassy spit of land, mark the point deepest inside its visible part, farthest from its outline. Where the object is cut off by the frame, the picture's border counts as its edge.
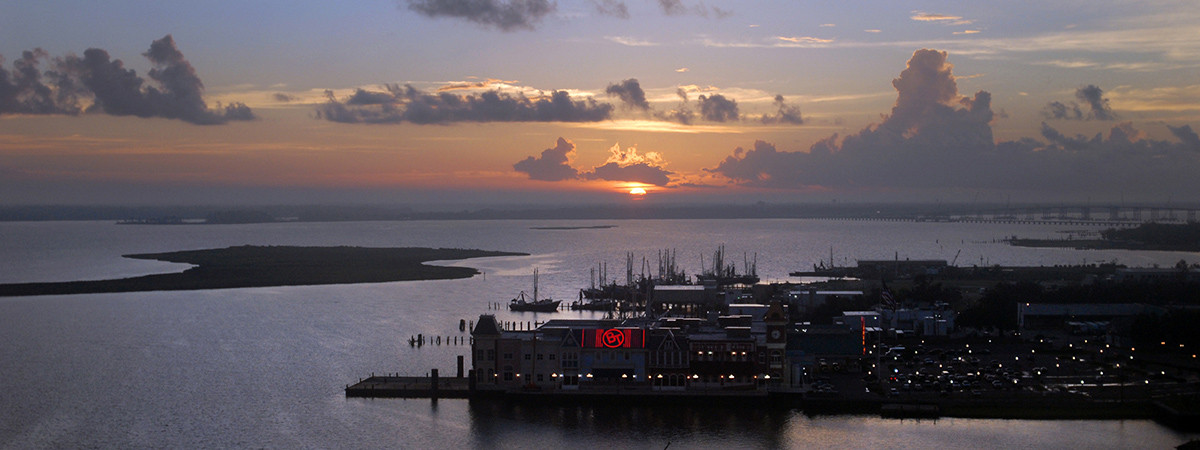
(259, 266)
(1148, 236)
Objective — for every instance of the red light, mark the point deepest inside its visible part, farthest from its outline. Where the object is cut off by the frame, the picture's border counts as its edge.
(613, 338)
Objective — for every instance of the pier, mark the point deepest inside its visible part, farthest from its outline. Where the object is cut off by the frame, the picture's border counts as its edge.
(395, 386)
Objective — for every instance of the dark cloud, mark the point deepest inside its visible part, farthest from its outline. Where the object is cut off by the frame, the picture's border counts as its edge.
(408, 104)
(507, 15)
(717, 108)
(787, 114)
(23, 90)
(175, 91)
(282, 97)
(929, 126)
(623, 165)
(936, 139)
(1188, 137)
(1092, 96)
(630, 92)
(364, 97)
(672, 7)
(683, 114)
(553, 165)
(614, 8)
(677, 8)
(637, 172)
(1062, 111)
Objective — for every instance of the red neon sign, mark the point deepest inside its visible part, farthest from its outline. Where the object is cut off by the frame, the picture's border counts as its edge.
(613, 338)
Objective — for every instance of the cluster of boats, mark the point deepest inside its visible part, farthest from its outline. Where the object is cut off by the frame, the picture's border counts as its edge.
(610, 296)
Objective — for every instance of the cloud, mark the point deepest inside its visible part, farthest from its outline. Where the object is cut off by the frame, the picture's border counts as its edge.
(1092, 96)
(553, 165)
(935, 138)
(474, 85)
(677, 8)
(939, 18)
(174, 90)
(1060, 110)
(23, 92)
(638, 173)
(628, 165)
(614, 8)
(929, 121)
(630, 93)
(505, 15)
(717, 108)
(408, 104)
(1187, 136)
(631, 42)
(803, 40)
(786, 114)
(622, 165)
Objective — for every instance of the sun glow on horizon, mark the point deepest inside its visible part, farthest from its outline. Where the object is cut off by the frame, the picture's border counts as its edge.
(637, 191)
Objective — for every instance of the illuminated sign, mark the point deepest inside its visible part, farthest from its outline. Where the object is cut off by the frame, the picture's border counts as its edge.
(612, 338)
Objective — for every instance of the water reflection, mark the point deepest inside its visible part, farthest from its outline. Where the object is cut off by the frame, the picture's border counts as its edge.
(506, 423)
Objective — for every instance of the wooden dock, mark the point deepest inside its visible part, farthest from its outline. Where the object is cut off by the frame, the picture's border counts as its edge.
(410, 387)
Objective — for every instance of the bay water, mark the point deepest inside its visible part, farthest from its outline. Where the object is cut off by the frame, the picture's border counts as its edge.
(266, 367)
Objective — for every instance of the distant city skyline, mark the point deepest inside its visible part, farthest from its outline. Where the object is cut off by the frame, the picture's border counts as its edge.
(601, 101)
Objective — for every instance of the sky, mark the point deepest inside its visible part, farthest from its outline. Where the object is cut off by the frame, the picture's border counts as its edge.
(484, 102)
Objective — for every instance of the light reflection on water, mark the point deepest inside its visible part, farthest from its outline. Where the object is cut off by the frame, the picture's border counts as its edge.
(265, 367)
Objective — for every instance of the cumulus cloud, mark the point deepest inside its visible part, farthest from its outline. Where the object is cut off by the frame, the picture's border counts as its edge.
(935, 138)
(717, 108)
(1092, 96)
(677, 8)
(23, 90)
(505, 15)
(400, 104)
(553, 165)
(622, 165)
(1187, 136)
(174, 90)
(630, 92)
(614, 8)
(786, 114)
(628, 165)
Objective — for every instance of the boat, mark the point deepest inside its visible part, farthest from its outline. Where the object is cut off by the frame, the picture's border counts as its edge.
(543, 305)
(594, 305)
(535, 305)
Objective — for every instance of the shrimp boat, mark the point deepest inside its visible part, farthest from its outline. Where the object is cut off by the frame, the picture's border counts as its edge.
(536, 305)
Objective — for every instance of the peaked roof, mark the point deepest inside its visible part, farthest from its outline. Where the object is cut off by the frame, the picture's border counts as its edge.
(775, 313)
(569, 340)
(486, 326)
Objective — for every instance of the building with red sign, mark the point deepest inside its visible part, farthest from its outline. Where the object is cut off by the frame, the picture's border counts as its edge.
(666, 355)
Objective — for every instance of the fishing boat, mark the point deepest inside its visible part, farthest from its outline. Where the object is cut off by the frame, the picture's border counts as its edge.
(535, 305)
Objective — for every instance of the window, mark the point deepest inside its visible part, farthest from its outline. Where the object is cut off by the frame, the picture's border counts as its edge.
(528, 357)
(540, 355)
(508, 376)
(491, 355)
(552, 357)
(540, 377)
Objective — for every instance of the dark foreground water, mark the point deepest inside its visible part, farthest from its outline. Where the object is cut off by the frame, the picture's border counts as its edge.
(265, 367)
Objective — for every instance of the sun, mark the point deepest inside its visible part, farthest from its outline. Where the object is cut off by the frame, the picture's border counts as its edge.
(637, 191)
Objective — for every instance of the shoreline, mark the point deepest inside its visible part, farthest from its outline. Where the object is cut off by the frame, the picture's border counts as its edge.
(273, 266)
